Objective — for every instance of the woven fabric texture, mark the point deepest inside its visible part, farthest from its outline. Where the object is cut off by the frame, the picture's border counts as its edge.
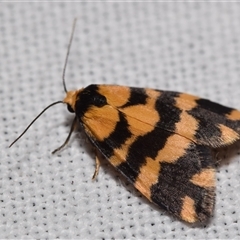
(188, 47)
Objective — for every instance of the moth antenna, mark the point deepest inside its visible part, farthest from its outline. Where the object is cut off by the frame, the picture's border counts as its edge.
(34, 121)
(68, 51)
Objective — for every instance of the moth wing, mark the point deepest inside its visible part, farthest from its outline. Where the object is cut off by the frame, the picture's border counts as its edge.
(161, 142)
(202, 121)
(170, 170)
(184, 184)
(207, 122)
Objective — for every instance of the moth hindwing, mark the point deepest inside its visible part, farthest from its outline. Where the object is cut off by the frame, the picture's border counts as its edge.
(160, 141)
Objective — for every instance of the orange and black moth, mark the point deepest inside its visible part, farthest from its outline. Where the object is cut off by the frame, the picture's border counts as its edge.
(160, 141)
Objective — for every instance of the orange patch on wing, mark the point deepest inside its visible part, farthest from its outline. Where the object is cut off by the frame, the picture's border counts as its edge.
(116, 95)
(186, 102)
(174, 148)
(152, 94)
(206, 178)
(147, 177)
(138, 127)
(187, 126)
(234, 115)
(188, 212)
(101, 122)
(228, 135)
(120, 154)
(143, 116)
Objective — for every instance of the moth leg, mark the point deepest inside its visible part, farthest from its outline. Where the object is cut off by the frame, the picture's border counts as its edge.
(74, 124)
(97, 166)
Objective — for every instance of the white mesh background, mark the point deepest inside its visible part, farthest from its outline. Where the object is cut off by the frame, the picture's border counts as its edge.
(189, 47)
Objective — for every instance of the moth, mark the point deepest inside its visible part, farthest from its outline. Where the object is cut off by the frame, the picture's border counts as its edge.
(161, 141)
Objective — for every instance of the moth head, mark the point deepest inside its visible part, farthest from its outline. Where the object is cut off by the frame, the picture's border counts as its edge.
(70, 99)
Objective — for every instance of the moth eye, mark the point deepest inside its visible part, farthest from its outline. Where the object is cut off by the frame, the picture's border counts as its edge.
(70, 108)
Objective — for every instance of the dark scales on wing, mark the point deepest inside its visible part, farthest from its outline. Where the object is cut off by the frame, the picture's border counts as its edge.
(144, 146)
(174, 184)
(211, 116)
(137, 96)
(87, 98)
(116, 138)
